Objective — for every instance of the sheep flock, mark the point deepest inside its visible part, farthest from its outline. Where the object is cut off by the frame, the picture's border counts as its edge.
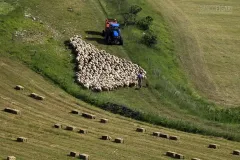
(100, 71)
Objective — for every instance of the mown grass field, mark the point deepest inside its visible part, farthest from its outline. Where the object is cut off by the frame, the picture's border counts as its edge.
(35, 33)
(207, 39)
(45, 142)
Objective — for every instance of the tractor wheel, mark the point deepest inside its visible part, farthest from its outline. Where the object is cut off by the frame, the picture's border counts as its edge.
(103, 33)
(109, 40)
(121, 41)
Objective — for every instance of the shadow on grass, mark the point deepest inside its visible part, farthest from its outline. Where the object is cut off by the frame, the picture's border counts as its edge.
(73, 52)
(98, 40)
(94, 33)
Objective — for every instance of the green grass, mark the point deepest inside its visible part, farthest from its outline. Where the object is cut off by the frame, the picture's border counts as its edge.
(45, 142)
(170, 99)
(206, 40)
(5, 8)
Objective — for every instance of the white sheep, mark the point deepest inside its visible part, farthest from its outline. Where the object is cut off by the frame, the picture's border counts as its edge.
(101, 71)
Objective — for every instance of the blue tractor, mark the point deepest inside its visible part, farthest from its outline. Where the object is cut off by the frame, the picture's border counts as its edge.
(112, 32)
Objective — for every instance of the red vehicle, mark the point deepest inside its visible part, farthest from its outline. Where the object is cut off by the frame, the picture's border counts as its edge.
(112, 32)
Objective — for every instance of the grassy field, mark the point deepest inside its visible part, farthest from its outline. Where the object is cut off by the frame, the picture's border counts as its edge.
(34, 32)
(45, 142)
(207, 42)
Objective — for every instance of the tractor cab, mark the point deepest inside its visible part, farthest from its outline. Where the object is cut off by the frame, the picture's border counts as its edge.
(112, 32)
(114, 28)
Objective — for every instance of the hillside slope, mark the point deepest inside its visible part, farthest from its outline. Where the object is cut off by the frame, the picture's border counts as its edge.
(207, 41)
(37, 33)
(45, 142)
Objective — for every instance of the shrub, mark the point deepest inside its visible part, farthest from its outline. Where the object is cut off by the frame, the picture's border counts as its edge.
(129, 19)
(145, 23)
(149, 38)
(135, 9)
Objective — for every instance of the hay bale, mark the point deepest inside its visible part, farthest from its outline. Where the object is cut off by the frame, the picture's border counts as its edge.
(141, 130)
(40, 97)
(70, 128)
(214, 146)
(175, 138)
(195, 159)
(36, 96)
(75, 111)
(170, 154)
(11, 158)
(236, 152)
(156, 134)
(19, 87)
(57, 125)
(73, 154)
(83, 131)
(119, 140)
(89, 116)
(84, 156)
(163, 135)
(22, 139)
(33, 95)
(179, 156)
(106, 137)
(13, 111)
(104, 120)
